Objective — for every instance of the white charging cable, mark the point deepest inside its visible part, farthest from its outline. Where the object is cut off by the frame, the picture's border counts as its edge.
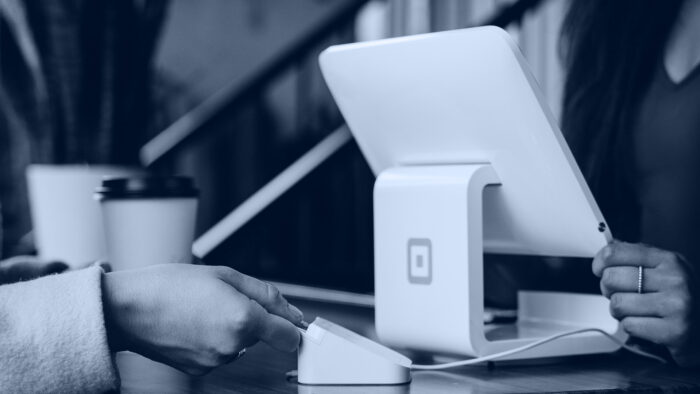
(529, 346)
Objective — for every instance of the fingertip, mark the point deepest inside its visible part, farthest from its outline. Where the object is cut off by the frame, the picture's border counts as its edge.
(608, 250)
(296, 314)
(604, 291)
(288, 344)
(281, 334)
(594, 267)
(294, 340)
(296, 343)
(597, 265)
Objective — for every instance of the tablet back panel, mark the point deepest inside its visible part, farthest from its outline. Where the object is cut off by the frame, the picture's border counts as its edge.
(467, 96)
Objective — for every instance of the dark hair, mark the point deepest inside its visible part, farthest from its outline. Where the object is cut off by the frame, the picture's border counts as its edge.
(611, 49)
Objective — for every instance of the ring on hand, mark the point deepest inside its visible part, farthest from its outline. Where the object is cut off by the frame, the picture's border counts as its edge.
(640, 280)
(240, 354)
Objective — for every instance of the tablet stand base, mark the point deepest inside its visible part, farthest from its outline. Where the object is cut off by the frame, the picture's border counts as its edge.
(429, 292)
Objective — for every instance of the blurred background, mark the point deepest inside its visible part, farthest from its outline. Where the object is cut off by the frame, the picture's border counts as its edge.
(230, 93)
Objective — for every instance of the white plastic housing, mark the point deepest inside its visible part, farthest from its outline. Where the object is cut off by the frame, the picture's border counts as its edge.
(333, 355)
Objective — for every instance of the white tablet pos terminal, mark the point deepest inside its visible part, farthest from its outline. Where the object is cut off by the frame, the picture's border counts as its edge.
(468, 159)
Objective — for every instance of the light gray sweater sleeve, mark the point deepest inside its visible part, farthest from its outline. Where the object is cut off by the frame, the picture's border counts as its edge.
(52, 335)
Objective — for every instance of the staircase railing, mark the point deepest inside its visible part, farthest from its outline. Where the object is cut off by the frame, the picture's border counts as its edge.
(194, 124)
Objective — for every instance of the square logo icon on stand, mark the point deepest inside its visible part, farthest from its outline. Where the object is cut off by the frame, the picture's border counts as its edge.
(420, 261)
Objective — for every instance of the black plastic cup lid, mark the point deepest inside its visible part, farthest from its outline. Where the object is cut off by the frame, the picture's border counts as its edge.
(147, 187)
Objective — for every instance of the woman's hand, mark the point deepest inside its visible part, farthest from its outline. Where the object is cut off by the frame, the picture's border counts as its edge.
(195, 318)
(666, 312)
(21, 268)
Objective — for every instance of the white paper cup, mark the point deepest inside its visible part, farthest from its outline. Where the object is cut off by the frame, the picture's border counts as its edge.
(148, 220)
(66, 218)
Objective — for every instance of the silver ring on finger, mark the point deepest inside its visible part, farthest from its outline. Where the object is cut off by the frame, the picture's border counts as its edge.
(238, 356)
(640, 280)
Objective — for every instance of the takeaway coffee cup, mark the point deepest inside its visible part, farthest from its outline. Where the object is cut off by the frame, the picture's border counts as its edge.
(66, 219)
(148, 220)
